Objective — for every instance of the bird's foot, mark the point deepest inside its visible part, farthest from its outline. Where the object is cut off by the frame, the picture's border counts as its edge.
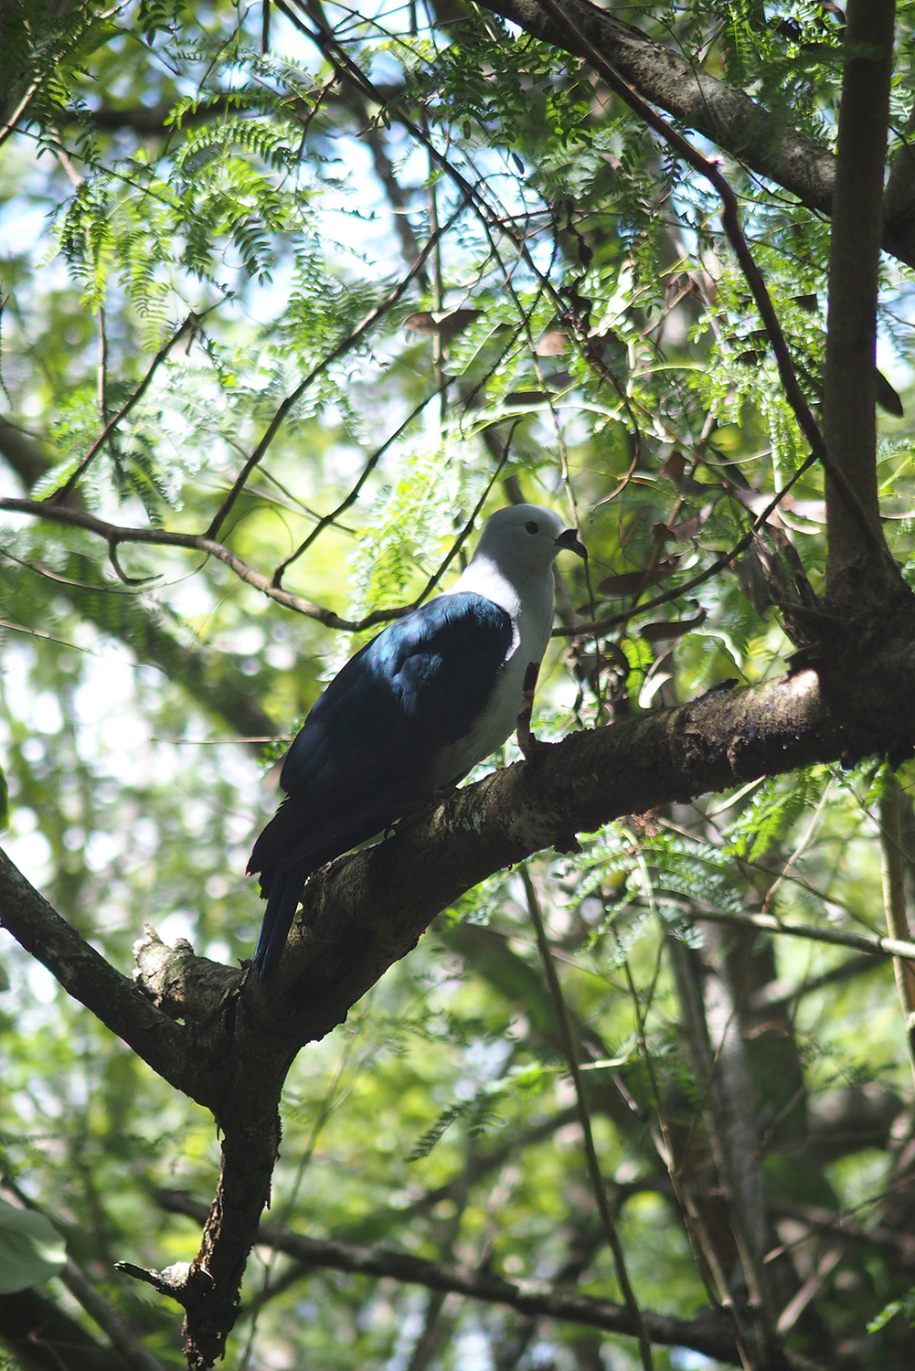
(531, 747)
(418, 811)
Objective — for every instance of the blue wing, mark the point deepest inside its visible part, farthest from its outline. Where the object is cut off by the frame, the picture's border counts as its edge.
(366, 751)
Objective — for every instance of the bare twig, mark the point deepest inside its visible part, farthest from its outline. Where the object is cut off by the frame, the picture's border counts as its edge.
(875, 946)
(608, 621)
(595, 1174)
(344, 346)
(894, 901)
(371, 133)
(730, 219)
(353, 494)
(189, 324)
(116, 534)
(709, 1333)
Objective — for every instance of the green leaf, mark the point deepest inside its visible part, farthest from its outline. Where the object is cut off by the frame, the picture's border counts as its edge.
(904, 1306)
(31, 1249)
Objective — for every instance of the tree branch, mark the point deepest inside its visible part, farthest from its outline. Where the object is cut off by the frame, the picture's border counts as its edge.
(731, 119)
(116, 534)
(845, 490)
(850, 390)
(365, 911)
(709, 1333)
(212, 678)
(85, 975)
(869, 944)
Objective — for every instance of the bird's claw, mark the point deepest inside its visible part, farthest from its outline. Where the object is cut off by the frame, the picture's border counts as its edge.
(530, 746)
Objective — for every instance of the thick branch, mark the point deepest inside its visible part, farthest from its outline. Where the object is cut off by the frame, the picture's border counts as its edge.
(732, 120)
(366, 911)
(369, 910)
(251, 1123)
(851, 325)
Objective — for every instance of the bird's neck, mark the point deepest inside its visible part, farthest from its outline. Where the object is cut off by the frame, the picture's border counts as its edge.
(515, 592)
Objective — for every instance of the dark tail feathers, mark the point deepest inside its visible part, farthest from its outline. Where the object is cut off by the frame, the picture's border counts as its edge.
(282, 902)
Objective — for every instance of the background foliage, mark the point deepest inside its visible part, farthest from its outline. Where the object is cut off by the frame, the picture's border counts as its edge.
(391, 266)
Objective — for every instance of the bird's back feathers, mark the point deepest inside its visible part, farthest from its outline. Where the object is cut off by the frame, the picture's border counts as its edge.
(367, 751)
(414, 711)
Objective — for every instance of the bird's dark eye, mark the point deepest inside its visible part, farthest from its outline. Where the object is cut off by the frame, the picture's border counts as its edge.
(532, 526)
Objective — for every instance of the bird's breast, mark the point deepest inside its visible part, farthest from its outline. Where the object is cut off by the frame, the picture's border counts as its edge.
(498, 717)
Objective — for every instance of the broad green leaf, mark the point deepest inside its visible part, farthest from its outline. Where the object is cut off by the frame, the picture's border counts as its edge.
(31, 1249)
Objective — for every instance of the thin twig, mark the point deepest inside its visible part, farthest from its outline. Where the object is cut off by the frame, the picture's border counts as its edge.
(623, 616)
(894, 901)
(339, 350)
(730, 219)
(190, 323)
(708, 1332)
(594, 1169)
(875, 946)
(350, 499)
(116, 534)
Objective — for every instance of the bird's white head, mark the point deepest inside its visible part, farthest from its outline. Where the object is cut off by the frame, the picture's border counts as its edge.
(525, 539)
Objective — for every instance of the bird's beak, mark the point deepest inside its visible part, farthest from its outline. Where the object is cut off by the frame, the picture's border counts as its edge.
(569, 541)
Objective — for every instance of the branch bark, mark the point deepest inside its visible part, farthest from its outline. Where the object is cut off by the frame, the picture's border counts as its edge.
(851, 324)
(732, 120)
(709, 1333)
(365, 911)
(116, 534)
(89, 978)
(212, 678)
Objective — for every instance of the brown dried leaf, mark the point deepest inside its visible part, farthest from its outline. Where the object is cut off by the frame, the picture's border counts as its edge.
(634, 582)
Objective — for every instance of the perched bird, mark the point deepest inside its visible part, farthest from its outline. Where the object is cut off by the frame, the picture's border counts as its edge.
(436, 692)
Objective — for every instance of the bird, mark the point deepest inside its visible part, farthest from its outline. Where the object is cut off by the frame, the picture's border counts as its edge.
(413, 711)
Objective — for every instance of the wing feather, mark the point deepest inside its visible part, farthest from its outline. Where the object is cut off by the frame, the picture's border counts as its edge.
(366, 752)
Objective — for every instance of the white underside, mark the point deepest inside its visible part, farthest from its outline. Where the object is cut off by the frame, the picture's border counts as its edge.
(529, 602)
